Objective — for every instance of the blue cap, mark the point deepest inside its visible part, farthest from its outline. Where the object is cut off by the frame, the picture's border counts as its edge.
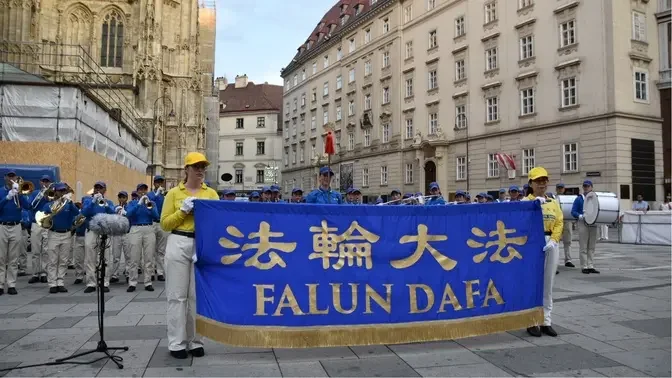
(45, 178)
(141, 185)
(418, 194)
(514, 188)
(502, 190)
(275, 189)
(379, 200)
(481, 194)
(297, 190)
(229, 192)
(159, 178)
(460, 193)
(587, 183)
(325, 170)
(408, 195)
(101, 184)
(265, 189)
(489, 196)
(60, 186)
(122, 194)
(559, 185)
(254, 194)
(525, 186)
(10, 173)
(395, 191)
(134, 194)
(433, 185)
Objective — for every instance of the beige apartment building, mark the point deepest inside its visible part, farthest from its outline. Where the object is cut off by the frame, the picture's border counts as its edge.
(457, 91)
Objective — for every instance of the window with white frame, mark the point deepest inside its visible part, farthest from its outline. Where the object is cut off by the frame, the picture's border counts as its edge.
(367, 35)
(261, 147)
(286, 156)
(386, 95)
(239, 176)
(386, 59)
(314, 68)
(568, 92)
(638, 26)
(433, 123)
(408, 13)
(641, 85)
(386, 25)
(491, 59)
(351, 107)
(293, 157)
(365, 177)
(408, 174)
(570, 154)
(461, 116)
(383, 175)
(524, 3)
(367, 68)
(493, 166)
(303, 74)
(303, 100)
(339, 82)
(433, 41)
(529, 160)
(351, 141)
(409, 87)
(433, 80)
(325, 115)
(302, 152)
(460, 73)
(431, 4)
(409, 128)
(338, 112)
(490, 12)
(339, 54)
(295, 102)
(367, 102)
(492, 109)
(325, 60)
(461, 168)
(460, 27)
(526, 47)
(239, 148)
(325, 89)
(527, 101)
(351, 75)
(261, 122)
(409, 50)
(568, 33)
(313, 95)
(312, 149)
(296, 79)
(386, 133)
(352, 45)
(313, 122)
(367, 137)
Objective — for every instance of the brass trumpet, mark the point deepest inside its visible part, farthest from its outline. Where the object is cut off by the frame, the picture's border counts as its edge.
(19, 181)
(27, 188)
(147, 203)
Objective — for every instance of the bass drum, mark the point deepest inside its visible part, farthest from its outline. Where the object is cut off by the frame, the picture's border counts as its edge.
(601, 208)
(566, 203)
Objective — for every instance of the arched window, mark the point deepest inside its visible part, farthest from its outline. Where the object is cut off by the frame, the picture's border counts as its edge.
(112, 41)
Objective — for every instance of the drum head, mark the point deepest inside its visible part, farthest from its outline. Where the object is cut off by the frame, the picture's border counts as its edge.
(591, 208)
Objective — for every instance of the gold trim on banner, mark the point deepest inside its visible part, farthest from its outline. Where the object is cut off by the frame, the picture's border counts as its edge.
(328, 336)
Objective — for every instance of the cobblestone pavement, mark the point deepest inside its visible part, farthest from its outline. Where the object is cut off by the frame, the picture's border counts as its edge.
(613, 324)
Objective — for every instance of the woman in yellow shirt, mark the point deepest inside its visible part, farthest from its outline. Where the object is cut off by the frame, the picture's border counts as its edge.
(177, 218)
(553, 219)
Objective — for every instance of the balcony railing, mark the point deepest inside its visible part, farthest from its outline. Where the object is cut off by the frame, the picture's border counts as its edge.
(71, 64)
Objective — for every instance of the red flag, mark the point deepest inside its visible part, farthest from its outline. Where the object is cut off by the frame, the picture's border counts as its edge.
(329, 144)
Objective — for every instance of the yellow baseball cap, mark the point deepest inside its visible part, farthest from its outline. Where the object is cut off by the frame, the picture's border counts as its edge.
(195, 158)
(536, 173)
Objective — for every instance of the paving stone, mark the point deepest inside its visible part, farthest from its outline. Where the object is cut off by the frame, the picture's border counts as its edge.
(308, 354)
(570, 373)
(125, 372)
(546, 359)
(601, 300)
(497, 341)
(654, 362)
(144, 308)
(302, 369)
(133, 333)
(642, 344)
(442, 353)
(111, 321)
(256, 370)
(107, 313)
(472, 370)
(620, 371)
(137, 356)
(602, 328)
(10, 336)
(364, 351)
(153, 320)
(654, 327)
(43, 345)
(45, 308)
(7, 365)
(56, 371)
(12, 315)
(587, 343)
(150, 300)
(63, 322)
(162, 359)
(59, 299)
(236, 359)
(386, 366)
(213, 347)
(14, 324)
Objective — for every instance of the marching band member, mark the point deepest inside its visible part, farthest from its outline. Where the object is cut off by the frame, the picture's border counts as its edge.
(266, 194)
(379, 200)
(324, 194)
(275, 193)
(38, 235)
(297, 195)
(142, 239)
(354, 196)
(435, 191)
(254, 196)
(502, 196)
(120, 244)
(78, 249)
(177, 218)
(229, 195)
(552, 214)
(395, 195)
(158, 196)
(489, 198)
(514, 193)
(10, 231)
(587, 234)
(59, 239)
(91, 206)
(481, 197)
(460, 197)
(566, 230)
(25, 243)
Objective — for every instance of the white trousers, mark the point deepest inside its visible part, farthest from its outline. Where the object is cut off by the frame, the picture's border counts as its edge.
(181, 294)
(567, 240)
(550, 267)
(78, 255)
(120, 247)
(587, 240)
(161, 239)
(10, 245)
(91, 257)
(23, 251)
(59, 246)
(38, 248)
(143, 243)
(604, 231)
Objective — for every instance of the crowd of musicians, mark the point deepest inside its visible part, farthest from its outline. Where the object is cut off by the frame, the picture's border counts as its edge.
(160, 242)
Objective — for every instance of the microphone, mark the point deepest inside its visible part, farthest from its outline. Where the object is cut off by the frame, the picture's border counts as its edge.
(109, 224)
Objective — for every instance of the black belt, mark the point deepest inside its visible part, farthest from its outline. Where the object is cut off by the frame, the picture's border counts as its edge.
(184, 233)
(60, 231)
(548, 233)
(143, 224)
(9, 223)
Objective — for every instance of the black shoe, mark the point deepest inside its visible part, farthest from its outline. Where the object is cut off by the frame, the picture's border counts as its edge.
(179, 354)
(62, 289)
(22, 274)
(89, 289)
(114, 280)
(585, 271)
(534, 331)
(149, 288)
(126, 279)
(34, 279)
(197, 352)
(557, 272)
(71, 267)
(161, 278)
(569, 264)
(106, 289)
(53, 290)
(139, 271)
(43, 279)
(593, 270)
(153, 278)
(130, 289)
(2, 291)
(548, 330)
(78, 281)
(12, 291)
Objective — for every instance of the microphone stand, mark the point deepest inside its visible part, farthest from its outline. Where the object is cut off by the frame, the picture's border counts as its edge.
(102, 345)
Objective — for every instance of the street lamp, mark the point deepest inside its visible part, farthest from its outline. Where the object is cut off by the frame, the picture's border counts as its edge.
(461, 122)
(156, 119)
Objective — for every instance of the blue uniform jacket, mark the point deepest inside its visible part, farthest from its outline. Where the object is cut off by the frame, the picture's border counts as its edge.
(25, 219)
(325, 197)
(9, 212)
(63, 220)
(158, 202)
(577, 207)
(138, 214)
(434, 201)
(91, 208)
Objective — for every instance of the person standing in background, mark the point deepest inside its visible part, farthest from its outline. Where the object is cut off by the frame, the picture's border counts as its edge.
(566, 230)
(157, 196)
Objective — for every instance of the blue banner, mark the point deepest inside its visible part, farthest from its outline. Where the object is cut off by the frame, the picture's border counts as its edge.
(300, 275)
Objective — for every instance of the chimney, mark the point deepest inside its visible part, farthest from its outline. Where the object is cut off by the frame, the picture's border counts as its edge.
(241, 81)
(222, 82)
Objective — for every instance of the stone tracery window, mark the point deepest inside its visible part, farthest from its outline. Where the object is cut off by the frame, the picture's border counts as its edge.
(112, 40)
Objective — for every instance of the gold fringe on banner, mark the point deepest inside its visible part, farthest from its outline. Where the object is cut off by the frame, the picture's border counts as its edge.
(376, 334)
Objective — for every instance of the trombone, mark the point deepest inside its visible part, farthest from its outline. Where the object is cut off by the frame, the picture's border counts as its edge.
(48, 191)
(419, 200)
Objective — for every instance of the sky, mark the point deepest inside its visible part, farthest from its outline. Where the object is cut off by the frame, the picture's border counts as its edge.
(259, 37)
